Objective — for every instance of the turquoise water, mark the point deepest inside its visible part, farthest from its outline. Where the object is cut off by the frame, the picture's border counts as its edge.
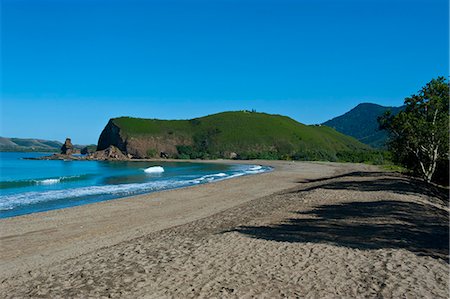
(29, 186)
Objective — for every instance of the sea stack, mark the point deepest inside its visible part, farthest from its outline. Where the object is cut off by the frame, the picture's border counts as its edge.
(67, 147)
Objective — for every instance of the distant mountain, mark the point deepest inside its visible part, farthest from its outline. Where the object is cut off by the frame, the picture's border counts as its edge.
(237, 134)
(30, 145)
(361, 123)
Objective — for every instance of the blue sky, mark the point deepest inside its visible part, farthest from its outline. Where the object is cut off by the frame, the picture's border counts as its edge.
(68, 66)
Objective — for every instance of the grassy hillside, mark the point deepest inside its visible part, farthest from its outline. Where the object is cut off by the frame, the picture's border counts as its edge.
(361, 123)
(248, 134)
(30, 145)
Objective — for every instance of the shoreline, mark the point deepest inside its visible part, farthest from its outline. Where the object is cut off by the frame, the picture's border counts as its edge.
(302, 230)
(242, 169)
(38, 239)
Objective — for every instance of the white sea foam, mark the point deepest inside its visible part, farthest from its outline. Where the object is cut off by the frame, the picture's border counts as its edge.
(51, 181)
(47, 181)
(8, 202)
(41, 181)
(257, 167)
(209, 178)
(154, 169)
(236, 175)
(212, 176)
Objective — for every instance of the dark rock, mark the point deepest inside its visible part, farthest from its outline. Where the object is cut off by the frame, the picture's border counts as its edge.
(67, 147)
(111, 136)
(110, 153)
(87, 150)
(164, 155)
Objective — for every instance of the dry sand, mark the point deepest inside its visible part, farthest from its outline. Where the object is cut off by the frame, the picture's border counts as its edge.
(310, 230)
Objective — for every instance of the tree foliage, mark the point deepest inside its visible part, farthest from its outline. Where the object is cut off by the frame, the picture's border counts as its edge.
(419, 135)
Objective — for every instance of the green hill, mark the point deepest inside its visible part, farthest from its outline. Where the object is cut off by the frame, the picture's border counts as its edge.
(241, 134)
(361, 123)
(30, 145)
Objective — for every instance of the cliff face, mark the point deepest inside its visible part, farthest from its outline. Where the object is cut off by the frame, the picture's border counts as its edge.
(143, 146)
(150, 147)
(111, 136)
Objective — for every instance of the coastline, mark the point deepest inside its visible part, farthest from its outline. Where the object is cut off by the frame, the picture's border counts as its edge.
(51, 233)
(47, 185)
(42, 238)
(190, 242)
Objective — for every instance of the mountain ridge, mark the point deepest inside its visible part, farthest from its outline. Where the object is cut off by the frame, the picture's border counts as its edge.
(12, 144)
(361, 122)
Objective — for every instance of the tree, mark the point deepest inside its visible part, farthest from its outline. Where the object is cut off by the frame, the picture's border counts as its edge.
(419, 134)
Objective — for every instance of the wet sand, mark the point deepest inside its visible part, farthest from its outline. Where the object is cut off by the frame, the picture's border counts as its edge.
(304, 230)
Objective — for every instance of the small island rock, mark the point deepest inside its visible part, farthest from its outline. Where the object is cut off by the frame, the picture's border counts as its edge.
(67, 147)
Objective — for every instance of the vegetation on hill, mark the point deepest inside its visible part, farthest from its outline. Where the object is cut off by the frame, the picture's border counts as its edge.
(362, 123)
(419, 135)
(241, 135)
(30, 145)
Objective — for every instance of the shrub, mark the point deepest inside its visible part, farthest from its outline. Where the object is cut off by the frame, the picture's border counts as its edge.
(151, 152)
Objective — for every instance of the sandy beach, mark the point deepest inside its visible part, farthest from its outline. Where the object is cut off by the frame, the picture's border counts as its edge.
(313, 230)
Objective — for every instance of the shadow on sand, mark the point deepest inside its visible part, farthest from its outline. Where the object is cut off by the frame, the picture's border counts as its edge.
(419, 228)
(380, 181)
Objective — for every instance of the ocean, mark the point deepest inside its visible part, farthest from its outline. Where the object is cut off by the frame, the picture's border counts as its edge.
(30, 186)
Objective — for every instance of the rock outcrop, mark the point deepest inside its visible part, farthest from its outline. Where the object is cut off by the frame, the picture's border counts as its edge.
(232, 155)
(87, 150)
(140, 147)
(110, 153)
(111, 136)
(67, 147)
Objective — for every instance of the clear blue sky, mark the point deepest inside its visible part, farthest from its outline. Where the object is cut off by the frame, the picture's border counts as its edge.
(70, 65)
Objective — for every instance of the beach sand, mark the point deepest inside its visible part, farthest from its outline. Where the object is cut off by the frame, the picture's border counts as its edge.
(315, 230)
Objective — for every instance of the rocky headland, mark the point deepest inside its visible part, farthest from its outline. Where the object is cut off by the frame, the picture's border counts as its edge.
(241, 135)
(110, 153)
(227, 135)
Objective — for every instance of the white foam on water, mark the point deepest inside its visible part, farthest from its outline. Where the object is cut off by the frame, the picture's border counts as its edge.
(235, 175)
(47, 181)
(209, 178)
(41, 181)
(154, 169)
(257, 167)
(220, 174)
(212, 176)
(8, 202)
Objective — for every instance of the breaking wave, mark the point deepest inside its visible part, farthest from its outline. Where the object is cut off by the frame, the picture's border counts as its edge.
(44, 181)
(8, 202)
(154, 169)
